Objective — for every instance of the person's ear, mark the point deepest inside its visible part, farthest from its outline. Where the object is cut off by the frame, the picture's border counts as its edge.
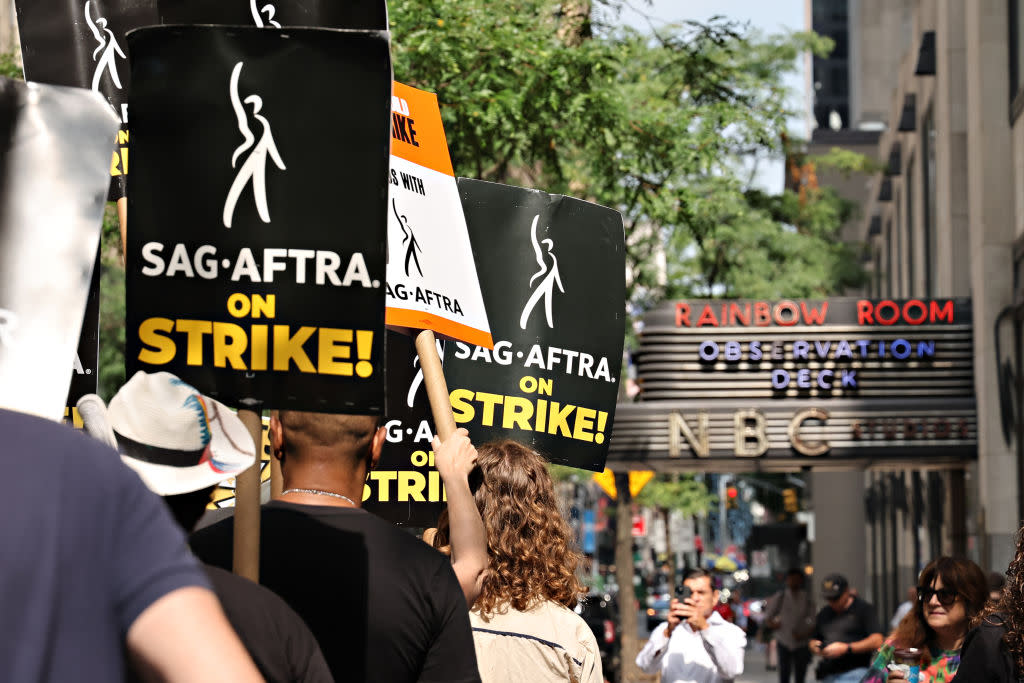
(377, 446)
(276, 437)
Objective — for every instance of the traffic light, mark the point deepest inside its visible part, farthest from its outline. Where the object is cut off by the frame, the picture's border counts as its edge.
(730, 497)
(789, 500)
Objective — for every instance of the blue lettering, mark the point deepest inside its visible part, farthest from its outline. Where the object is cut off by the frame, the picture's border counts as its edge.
(803, 379)
(863, 345)
(800, 349)
(708, 350)
(822, 348)
(848, 378)
(843, 350)
(780, 379)
(904, 347)
(926, 349)
(821, 379)
(732, 350)
(755, 350)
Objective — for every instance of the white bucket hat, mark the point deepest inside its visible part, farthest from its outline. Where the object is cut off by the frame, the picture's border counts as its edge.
(176, 439)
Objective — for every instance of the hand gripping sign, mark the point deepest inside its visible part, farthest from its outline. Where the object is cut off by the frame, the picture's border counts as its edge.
(56, 145)
(256, 260)
(552, 271)
(82, 43)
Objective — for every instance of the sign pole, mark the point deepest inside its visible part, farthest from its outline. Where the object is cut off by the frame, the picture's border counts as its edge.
(246, 556)
(437, 388)
(122, 219)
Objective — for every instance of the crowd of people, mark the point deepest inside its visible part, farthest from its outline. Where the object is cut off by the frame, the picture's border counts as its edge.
(103, 578)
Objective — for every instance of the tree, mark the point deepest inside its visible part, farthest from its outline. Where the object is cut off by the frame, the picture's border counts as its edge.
(679, 493)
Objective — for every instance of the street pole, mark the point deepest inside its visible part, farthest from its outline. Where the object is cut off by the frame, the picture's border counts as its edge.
(723, 526)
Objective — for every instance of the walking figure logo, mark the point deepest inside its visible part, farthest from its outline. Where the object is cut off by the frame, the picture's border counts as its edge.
(417, 379)
(257, 15)
(408, 239)
(546, 288)
(107, 50)
(255, 166)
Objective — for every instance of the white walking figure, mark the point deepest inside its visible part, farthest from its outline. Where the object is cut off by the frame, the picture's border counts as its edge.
(255, 165)
(417, 380)
(257, 14)
(107, 44)
(408, 239)
(546, 287)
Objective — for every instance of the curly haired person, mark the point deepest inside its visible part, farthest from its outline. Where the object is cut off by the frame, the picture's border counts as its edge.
(950, 592)
(524, 628)
(993, 651)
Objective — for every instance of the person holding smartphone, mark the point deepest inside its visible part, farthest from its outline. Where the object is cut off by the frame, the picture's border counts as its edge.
(695, 645)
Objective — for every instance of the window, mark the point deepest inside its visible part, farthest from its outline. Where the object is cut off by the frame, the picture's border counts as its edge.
(928, 182)
(889, 280)
(1016, 25)
(909, 222)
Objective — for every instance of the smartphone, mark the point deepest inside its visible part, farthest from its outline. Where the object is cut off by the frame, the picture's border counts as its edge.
(683, 592)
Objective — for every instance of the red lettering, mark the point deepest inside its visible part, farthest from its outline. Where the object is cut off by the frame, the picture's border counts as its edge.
(682, 315)
(707, 317)
(794, 313)
(945, 314)
(895, 312)
(920, 306)
(762, 314)
(814, 316)
(865, 312)
(737, 316)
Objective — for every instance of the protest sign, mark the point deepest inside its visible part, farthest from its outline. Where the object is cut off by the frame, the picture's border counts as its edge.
(552, 271)
(432, 282)
(82, 43)
(256, 258)
(405, 488)
(353, 14)
(55, 148)
(84, 370)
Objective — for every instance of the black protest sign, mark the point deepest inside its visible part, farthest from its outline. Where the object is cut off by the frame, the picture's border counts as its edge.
(81, 43)
(405, 488)
(354, 14)
(84, 375)
(54, 147)
(552, 271)
(258, 209)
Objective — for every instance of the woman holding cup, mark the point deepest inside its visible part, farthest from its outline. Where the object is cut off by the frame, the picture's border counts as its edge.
(925, 647)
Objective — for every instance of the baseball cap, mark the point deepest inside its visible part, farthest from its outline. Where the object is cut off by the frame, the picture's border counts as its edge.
(176, 439)
(833, 586)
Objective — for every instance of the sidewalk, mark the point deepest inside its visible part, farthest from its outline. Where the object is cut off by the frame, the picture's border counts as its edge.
(754, 670)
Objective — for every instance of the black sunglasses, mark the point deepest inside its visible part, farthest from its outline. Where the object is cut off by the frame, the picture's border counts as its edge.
(946, 596)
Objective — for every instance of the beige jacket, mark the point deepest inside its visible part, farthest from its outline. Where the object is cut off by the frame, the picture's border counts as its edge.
(548, 643)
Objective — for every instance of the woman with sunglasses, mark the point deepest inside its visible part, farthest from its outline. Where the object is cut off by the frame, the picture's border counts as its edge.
(950, 592)
(994, 650)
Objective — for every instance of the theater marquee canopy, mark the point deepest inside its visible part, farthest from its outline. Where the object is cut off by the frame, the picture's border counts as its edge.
(778, 385)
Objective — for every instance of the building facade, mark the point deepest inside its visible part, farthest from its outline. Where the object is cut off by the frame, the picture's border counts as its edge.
(945, 218)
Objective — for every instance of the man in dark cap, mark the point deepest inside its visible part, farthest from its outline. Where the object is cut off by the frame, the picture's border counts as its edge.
(845, 634)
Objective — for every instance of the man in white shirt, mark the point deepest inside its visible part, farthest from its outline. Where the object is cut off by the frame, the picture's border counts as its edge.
(695, 645)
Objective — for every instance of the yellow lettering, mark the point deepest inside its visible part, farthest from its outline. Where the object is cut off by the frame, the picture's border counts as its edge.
(558, 419)
(289, 348)
(229, 343)
(517, 413)
(410, 486)
(150, 334)
(329, 350)
(195, 329)
(584, 426)
(461, 407)
(489, 401)
(264, 306)
(383, 479)
(258, 347)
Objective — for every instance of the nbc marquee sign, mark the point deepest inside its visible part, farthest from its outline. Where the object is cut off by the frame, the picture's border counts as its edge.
(843, 382)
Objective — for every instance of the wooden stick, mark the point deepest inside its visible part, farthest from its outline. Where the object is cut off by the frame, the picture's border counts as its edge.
(437, 388)
(246, 556)
(122, 218)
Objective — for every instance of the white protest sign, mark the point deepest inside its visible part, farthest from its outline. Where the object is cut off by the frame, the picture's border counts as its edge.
(431, 275)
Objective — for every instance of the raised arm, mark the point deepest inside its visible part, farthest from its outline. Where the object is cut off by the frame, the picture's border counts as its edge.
(455, 459)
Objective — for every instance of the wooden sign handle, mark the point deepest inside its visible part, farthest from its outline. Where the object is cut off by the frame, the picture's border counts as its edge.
(122, 219)
(437, 388)
(246, 552)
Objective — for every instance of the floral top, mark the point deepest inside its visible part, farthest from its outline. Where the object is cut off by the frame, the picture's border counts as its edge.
(942, 668)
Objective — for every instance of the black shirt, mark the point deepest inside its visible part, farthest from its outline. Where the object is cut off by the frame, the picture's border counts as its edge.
(278, 640)
(383, 605)
(855, 623)
(984, 657)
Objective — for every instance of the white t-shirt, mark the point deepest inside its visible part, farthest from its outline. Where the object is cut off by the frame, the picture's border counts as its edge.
(714, 655)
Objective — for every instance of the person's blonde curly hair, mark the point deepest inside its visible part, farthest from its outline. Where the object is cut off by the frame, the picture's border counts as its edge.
(528, 542)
